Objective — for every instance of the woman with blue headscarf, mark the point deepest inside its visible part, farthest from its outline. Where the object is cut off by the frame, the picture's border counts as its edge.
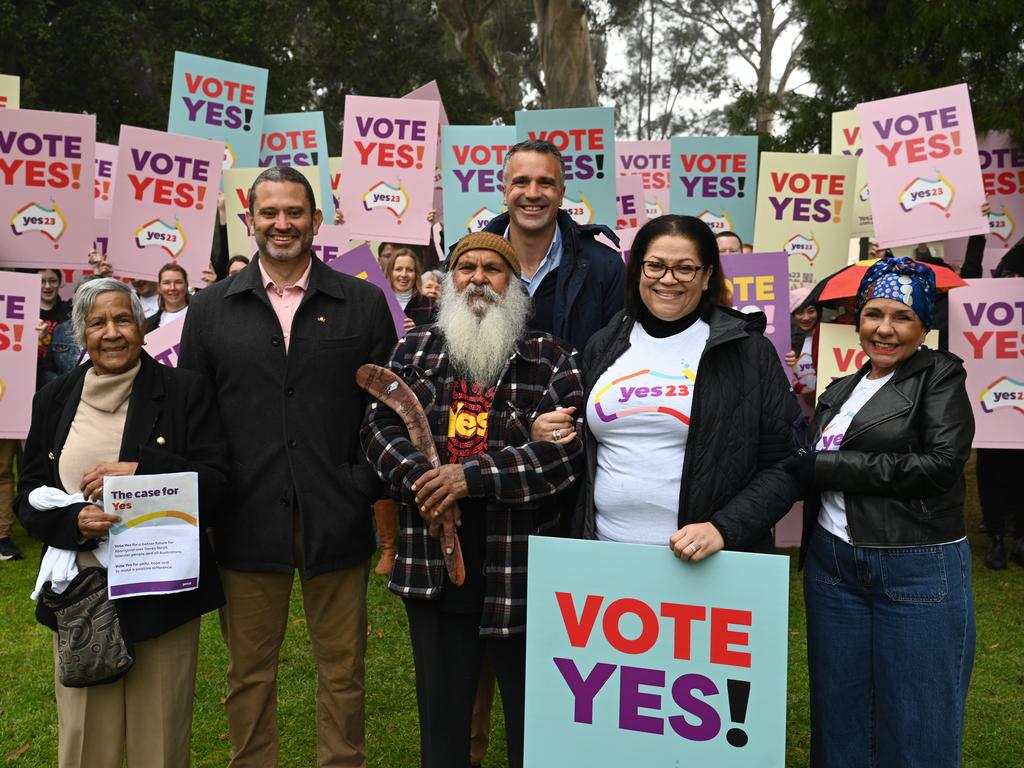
(887, 566)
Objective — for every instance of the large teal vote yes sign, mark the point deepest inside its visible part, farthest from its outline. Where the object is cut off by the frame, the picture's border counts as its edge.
(635, 657)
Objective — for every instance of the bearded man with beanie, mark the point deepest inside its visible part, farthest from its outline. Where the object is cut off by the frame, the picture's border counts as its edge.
(482, 379)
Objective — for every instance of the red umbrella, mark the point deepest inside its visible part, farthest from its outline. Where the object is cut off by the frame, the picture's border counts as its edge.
(844, 284)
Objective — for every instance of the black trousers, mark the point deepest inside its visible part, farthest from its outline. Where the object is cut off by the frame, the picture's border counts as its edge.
(447, 651)
(999, 481)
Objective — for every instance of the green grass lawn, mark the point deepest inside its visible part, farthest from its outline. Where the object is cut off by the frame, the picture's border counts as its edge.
(28, 722)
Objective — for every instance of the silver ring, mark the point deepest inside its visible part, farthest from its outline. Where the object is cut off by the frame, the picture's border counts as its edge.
(556, 435)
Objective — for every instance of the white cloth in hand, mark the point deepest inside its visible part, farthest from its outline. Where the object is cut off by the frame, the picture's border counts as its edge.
(59, 566)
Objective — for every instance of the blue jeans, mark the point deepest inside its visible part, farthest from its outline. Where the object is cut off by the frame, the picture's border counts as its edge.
(890, 648)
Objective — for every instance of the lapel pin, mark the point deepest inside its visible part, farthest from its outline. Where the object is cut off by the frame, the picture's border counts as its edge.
(321, 319)
(160, 440)
(50, 455)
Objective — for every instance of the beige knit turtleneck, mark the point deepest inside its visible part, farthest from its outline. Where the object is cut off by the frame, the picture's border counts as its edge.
(98, 426)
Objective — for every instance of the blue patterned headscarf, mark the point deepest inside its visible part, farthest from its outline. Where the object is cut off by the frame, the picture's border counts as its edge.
(900, 279)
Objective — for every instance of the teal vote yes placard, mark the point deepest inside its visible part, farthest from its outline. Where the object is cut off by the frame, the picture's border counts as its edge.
(715, 179)
(586, 139)
(637, 658)
(472, 158)
(220, 100)
(299, 138)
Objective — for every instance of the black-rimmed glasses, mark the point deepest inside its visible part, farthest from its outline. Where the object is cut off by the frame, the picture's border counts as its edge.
(684, 273)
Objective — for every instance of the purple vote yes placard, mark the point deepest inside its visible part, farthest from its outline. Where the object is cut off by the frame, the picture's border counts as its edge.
(760, 283)
(360, 262)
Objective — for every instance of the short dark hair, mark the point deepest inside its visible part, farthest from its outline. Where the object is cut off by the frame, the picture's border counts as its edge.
(535, 145)
(694, 230)
(237, 258)
(386, 244)
(729, 233)
(60, 275)
(282, 173)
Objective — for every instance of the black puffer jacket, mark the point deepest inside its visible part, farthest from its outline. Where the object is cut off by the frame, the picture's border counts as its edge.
(900, 465)
(743, 425)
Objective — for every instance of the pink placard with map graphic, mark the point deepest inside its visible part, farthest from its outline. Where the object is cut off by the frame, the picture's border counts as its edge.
(389, 155)
(165, 203)
(921, 157)
(1002, 172)
(985, 321)
(46, 188)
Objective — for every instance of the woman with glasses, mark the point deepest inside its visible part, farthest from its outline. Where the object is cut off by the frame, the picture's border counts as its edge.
(689, 414)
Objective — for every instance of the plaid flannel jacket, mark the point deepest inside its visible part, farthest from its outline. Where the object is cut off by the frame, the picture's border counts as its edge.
(514, 474)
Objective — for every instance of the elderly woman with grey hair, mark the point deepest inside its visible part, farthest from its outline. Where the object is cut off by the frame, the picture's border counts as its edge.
(122, 413)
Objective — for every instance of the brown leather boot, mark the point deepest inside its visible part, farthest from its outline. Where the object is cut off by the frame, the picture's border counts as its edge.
(385, 512)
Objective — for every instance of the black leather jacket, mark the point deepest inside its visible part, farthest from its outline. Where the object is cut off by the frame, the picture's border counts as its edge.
(900, 465)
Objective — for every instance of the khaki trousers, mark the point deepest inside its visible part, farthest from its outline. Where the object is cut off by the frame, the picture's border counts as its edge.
(8, 447)
(146, 716)
(254, 623)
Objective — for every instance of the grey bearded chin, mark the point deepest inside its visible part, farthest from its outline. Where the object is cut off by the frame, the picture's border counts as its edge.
(480, 345)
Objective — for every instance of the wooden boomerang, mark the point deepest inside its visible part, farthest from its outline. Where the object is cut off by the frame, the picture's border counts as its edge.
(388, 387)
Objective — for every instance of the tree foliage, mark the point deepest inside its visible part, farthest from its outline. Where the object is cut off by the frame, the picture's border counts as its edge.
(753, 30)
(861, 50)
(538, 54)
(682, 59)
(498, 48)
(672, 72)
(115, 58)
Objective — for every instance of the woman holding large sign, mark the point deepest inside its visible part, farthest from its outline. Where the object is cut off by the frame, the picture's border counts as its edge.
(121, 414)
(689, 413)
(887, 580)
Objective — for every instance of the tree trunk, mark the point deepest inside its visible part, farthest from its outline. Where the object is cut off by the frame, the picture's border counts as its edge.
(466, 29)
(765, 114)
(564, 35)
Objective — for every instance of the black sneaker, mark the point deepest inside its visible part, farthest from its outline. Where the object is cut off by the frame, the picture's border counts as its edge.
(9, 550)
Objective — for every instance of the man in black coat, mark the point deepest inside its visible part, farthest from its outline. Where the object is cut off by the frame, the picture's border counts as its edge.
(281, 341)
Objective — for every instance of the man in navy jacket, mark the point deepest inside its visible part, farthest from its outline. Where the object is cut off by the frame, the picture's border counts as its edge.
(576, 281)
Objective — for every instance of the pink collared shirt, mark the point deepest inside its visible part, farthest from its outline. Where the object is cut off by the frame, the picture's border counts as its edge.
(285, 300)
